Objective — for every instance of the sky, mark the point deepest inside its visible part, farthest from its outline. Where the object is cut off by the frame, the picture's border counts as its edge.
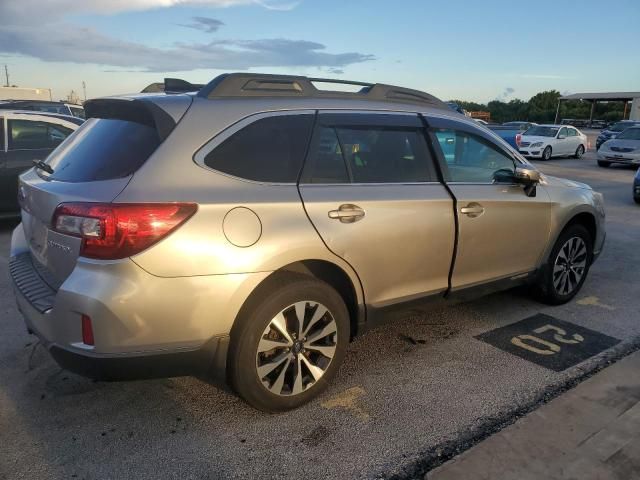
(476, 50)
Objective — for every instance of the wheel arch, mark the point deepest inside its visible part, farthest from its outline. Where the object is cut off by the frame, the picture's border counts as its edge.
(347, 285)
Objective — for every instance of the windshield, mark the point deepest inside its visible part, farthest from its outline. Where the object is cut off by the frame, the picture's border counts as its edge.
(542, 131)
(621, 126)
(630, 134)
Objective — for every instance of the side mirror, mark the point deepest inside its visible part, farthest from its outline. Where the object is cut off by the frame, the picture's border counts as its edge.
(529, 177)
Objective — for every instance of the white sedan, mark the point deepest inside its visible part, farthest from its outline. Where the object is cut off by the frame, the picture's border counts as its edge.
(546, 141)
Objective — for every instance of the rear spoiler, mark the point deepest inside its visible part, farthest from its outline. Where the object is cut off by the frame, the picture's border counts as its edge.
(132, 110)
(172, 85)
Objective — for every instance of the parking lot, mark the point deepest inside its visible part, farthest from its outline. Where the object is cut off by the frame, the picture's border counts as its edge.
(408, 396)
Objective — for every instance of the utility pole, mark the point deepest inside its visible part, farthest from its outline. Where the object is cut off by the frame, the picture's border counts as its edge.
(84, 88)
(6, 75)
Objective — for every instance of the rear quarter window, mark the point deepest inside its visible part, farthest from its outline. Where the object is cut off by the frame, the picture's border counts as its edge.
(271, 149)
(103, 149)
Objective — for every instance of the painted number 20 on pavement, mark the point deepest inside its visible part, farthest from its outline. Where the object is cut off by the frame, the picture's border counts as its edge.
(545, 347)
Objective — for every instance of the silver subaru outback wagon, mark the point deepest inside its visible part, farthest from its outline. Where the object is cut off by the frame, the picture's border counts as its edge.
(246, 232)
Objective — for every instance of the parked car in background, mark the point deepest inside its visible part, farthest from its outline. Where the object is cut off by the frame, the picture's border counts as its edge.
(614, 130)
(457, 108)
(547, 141)
(636, 187)
(42, 106)
(25, 137)
(170, 236)
(522, 126)
(624, 149)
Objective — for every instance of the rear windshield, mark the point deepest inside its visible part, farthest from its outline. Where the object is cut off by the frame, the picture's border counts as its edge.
(103, 149)
(542, 131)
(619, 127)
(630, 134)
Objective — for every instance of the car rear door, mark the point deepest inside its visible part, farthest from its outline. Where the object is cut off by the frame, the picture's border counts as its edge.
(29, 138)
(5, 199)
(370, 188)
(501, 231)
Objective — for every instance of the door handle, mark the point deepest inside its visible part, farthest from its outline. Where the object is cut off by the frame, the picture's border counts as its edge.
(347, 213)
(472, 210)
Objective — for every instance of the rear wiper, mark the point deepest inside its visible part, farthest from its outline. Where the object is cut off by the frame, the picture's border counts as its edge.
(43, 166)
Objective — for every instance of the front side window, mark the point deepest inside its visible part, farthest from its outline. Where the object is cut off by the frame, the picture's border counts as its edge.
(271, 149)
(562, 132)
(470, 158)
(32, 135)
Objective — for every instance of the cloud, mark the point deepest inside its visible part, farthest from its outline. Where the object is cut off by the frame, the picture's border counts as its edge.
(543, 76)
(335, 70)
(205, 24)
(508, 91)
(55, 40)
(85, 45)
(22, 11)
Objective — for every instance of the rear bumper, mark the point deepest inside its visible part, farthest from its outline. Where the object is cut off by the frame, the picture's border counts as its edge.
(207, 362)
(144, 326)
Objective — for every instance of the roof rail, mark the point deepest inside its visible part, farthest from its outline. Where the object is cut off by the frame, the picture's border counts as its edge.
(172, 85)
(267, 85)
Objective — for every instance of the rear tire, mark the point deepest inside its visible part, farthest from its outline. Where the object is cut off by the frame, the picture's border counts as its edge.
(579, 152)
(566, 269)
(275, 370)
(604, 164)
(546, 153)
(636, 199)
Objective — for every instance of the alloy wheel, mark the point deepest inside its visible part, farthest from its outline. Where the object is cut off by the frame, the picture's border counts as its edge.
(296, 348)
(570, 265)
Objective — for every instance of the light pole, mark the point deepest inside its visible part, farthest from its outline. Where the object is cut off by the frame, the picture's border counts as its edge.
(84, 88)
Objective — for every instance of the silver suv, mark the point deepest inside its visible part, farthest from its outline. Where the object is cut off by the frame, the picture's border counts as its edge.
(246, 232)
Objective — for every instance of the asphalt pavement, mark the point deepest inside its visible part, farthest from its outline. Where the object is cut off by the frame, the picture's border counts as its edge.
(409, 396)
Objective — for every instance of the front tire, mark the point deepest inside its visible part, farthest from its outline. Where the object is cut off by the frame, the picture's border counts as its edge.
(288, 343)
(546, 153)
(604, 164)
(579, 152)
(567, 267)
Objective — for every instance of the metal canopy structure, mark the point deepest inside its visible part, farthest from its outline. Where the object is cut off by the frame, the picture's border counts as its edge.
(594, 98)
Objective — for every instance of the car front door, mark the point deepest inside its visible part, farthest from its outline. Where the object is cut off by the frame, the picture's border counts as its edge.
(563, 143)
(502, 232)
(371, 190)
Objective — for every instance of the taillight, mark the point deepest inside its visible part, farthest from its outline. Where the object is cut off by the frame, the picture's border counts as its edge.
(118, 230)
(87, 330)
(518, 139)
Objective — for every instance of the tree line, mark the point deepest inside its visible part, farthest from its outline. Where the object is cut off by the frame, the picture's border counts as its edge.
(541, 108)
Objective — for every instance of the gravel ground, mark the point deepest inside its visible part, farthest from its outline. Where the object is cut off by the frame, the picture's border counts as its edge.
(404, 389)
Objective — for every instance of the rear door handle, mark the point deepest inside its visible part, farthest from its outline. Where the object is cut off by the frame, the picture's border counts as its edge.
(472, 210)
(347, 213)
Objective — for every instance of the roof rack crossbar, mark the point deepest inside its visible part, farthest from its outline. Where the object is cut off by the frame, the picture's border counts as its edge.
(236, 85)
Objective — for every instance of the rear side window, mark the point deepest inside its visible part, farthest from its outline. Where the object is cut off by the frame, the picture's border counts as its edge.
(385, 155)
(369, 154)
(271, 149)
(34, 135)
(103, 149)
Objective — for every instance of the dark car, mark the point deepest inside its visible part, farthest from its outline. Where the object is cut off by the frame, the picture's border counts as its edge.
(29, 136)
(614, 130)
(43, 106)
(636, 187)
